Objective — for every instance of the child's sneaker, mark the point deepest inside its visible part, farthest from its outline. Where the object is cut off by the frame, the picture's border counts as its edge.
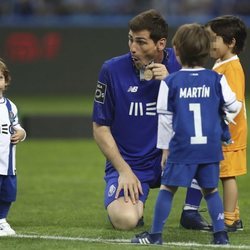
(5, 229)
(147, 238)
(239, 224)
(220, 238)
(231, 228)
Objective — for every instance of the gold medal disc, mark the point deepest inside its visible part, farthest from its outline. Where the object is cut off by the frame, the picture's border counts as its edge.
(148, 74)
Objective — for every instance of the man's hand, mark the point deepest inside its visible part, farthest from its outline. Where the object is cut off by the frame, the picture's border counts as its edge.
(159, 70)
(131, 186)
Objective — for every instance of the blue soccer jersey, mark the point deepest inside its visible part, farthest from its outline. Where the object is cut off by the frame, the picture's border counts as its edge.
(128, 106)
(195, 99)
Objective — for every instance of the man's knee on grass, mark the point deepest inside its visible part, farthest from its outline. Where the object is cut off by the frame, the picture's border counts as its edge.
(124, 216)
(124, 220)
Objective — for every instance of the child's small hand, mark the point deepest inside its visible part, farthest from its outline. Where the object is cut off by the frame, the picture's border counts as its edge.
(18, 136)
(228, 142)
(229, 118)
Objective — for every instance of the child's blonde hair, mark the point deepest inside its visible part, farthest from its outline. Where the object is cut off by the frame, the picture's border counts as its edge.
(4, 69)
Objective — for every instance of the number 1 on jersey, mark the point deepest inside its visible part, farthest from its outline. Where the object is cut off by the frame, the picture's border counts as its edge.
(198, 138)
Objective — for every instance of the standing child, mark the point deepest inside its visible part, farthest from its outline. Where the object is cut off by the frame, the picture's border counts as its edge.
(11, 133)
(190, 103)
(229, 36)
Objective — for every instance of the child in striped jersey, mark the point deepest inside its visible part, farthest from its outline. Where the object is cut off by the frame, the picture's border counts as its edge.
(11, 133)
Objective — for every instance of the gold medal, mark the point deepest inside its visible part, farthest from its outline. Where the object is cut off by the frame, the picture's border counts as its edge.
(148, 74)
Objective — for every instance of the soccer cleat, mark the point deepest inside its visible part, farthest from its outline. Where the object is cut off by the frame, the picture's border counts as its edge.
(191, 219)
(147, 238)
(220, 238)
(5, 229)
(239, 225)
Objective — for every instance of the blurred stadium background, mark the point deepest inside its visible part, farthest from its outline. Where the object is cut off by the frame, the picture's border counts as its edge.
(55, 48)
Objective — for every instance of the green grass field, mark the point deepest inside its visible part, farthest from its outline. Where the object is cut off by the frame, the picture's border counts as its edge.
(40, 105)
(60, 202)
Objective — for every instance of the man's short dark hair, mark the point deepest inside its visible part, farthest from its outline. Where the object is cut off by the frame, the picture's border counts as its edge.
(152, 21)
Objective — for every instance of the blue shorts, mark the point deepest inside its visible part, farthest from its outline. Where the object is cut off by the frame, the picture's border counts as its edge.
(149, 178)
(8, 188)
(181, 175)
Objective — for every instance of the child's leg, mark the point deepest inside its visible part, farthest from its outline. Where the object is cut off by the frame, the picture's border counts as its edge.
(230, 198)
(4, 209)
(5, 228)
(162, 209)
(234, 163)
(215, 208)
(8, 195)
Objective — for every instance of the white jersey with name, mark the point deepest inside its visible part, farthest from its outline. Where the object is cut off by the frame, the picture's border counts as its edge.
(8, 121)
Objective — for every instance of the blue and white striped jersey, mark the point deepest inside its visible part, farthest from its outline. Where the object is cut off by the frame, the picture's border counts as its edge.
(128, 105)
(8, 121)
(195, 98)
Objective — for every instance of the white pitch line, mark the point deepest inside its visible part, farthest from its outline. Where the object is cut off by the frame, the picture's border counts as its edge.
(125, 241)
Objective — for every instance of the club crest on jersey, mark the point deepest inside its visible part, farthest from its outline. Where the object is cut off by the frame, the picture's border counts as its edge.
(112, 190)
(100, 92)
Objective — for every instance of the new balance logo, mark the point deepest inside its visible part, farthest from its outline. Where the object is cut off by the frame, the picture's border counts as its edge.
(137, 108)
(133, 89)
(220, 216)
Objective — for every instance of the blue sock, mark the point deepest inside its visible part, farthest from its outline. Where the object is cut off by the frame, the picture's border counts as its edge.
(193, 197)
(4, 209)
(216, 211)
(162, 209)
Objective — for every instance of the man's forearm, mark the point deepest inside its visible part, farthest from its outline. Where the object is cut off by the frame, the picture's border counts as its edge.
(108, 146)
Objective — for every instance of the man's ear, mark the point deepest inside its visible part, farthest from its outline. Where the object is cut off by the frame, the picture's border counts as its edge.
(161, 44)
